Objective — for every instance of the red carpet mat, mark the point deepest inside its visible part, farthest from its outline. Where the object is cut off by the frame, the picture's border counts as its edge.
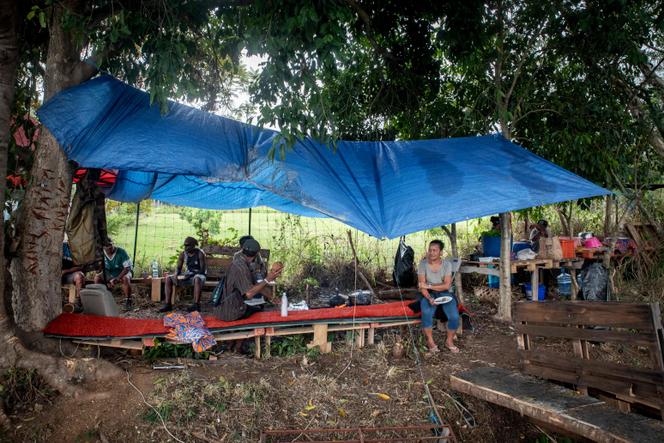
(93, 326)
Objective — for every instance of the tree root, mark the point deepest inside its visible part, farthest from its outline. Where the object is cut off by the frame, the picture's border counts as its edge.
(67, 375)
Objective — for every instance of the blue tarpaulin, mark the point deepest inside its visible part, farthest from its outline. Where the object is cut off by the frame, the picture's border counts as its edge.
(386, 189)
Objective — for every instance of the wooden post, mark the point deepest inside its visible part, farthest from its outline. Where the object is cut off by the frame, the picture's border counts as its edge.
(320, 339)
(268, 346)
(581, 351)
(359, 338)
(155, 290)
(575, 283)
(505, 300)
(370, 335)
(71, 294)
(257, 353)
(534, 284)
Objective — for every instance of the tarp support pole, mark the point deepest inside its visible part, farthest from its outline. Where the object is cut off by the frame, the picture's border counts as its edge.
(249, 233)
(505, 299)
(138, 211)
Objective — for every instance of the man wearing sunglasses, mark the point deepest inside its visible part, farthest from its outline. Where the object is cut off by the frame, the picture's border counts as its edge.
(194, 258)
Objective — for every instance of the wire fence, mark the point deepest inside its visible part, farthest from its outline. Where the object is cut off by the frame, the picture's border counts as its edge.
(291, 239)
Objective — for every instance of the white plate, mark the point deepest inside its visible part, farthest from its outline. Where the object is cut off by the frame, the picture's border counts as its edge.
(255, 301)
(442, 300)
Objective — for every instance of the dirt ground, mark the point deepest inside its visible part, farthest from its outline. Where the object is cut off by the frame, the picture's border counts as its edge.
(233, 398)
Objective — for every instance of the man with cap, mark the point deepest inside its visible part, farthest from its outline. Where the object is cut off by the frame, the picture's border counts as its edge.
(117, 270)
(257, 266)
(195, 275)
(244, 283)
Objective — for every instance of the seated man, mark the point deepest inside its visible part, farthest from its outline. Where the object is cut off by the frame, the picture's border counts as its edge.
(117, 270)
(195, 275)
(257, 265)
(72, 275)
(538, 230)
(241, 284)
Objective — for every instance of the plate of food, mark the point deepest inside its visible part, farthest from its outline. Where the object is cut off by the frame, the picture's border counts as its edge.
(442, 300)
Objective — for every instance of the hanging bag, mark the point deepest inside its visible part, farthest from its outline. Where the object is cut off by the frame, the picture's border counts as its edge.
(404, 274)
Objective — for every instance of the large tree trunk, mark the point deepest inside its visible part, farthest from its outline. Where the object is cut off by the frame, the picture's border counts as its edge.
(36, 268)
(59, 372)
(8, 61)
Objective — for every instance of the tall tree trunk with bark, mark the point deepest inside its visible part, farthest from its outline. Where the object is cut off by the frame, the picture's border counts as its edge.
(36, 268)
(8, 62)
(59, 372)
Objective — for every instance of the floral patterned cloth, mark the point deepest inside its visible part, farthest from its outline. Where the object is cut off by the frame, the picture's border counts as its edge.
(189, 328)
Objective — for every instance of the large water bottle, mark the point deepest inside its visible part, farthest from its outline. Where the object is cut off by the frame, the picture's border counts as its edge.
(284, 305)
(564, 283)
(154, 267)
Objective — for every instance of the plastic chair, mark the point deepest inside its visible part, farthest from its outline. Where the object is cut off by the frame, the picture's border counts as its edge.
(99, 301)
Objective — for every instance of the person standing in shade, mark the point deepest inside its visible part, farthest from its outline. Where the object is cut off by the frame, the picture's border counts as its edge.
(117, 270)
(435, 279)
(538, 230)
(195, 276)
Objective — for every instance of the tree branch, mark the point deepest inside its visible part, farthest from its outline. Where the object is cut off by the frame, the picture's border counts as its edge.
(533, 112)
(364, 16)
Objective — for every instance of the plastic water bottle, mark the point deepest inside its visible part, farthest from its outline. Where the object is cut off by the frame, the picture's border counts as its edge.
(284, 305)
(155, 268)
(564, 283)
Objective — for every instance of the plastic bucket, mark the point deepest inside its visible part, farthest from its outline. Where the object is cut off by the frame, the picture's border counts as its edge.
(493, 280)
(541, 293)
(491, 246)
(567, 245)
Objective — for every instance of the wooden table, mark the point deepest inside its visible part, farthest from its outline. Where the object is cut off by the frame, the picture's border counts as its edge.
(533, 266)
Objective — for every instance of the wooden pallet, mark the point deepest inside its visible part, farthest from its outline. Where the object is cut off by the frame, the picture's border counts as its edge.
(557, 406)
(580, 323)
(530, 265)
(363, 334)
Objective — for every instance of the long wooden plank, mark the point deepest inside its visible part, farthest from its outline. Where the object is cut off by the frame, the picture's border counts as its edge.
(479, 270)
(601, 368)
(557, 406)
(612, 314)
(625, 390)
(122, 344)
(656, 348)
(600, 335)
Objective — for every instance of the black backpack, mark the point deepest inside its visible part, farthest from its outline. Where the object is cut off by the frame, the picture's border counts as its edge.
(218, 292)
(404, 274)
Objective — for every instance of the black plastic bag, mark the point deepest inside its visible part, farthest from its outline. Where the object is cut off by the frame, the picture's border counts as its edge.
(595, 283)
(404, 274)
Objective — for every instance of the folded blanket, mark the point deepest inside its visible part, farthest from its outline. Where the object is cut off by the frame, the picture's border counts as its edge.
(189, 328)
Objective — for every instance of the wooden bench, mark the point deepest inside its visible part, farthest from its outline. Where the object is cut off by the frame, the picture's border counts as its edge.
(218, 260)
(585, 331)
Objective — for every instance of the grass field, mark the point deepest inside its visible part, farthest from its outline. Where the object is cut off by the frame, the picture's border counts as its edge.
(162, 230)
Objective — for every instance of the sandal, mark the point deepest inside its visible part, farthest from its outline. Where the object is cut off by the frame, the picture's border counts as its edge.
(434, 350)
(453, 349)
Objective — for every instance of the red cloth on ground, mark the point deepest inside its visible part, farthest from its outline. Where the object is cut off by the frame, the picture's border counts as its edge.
(82, 325)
